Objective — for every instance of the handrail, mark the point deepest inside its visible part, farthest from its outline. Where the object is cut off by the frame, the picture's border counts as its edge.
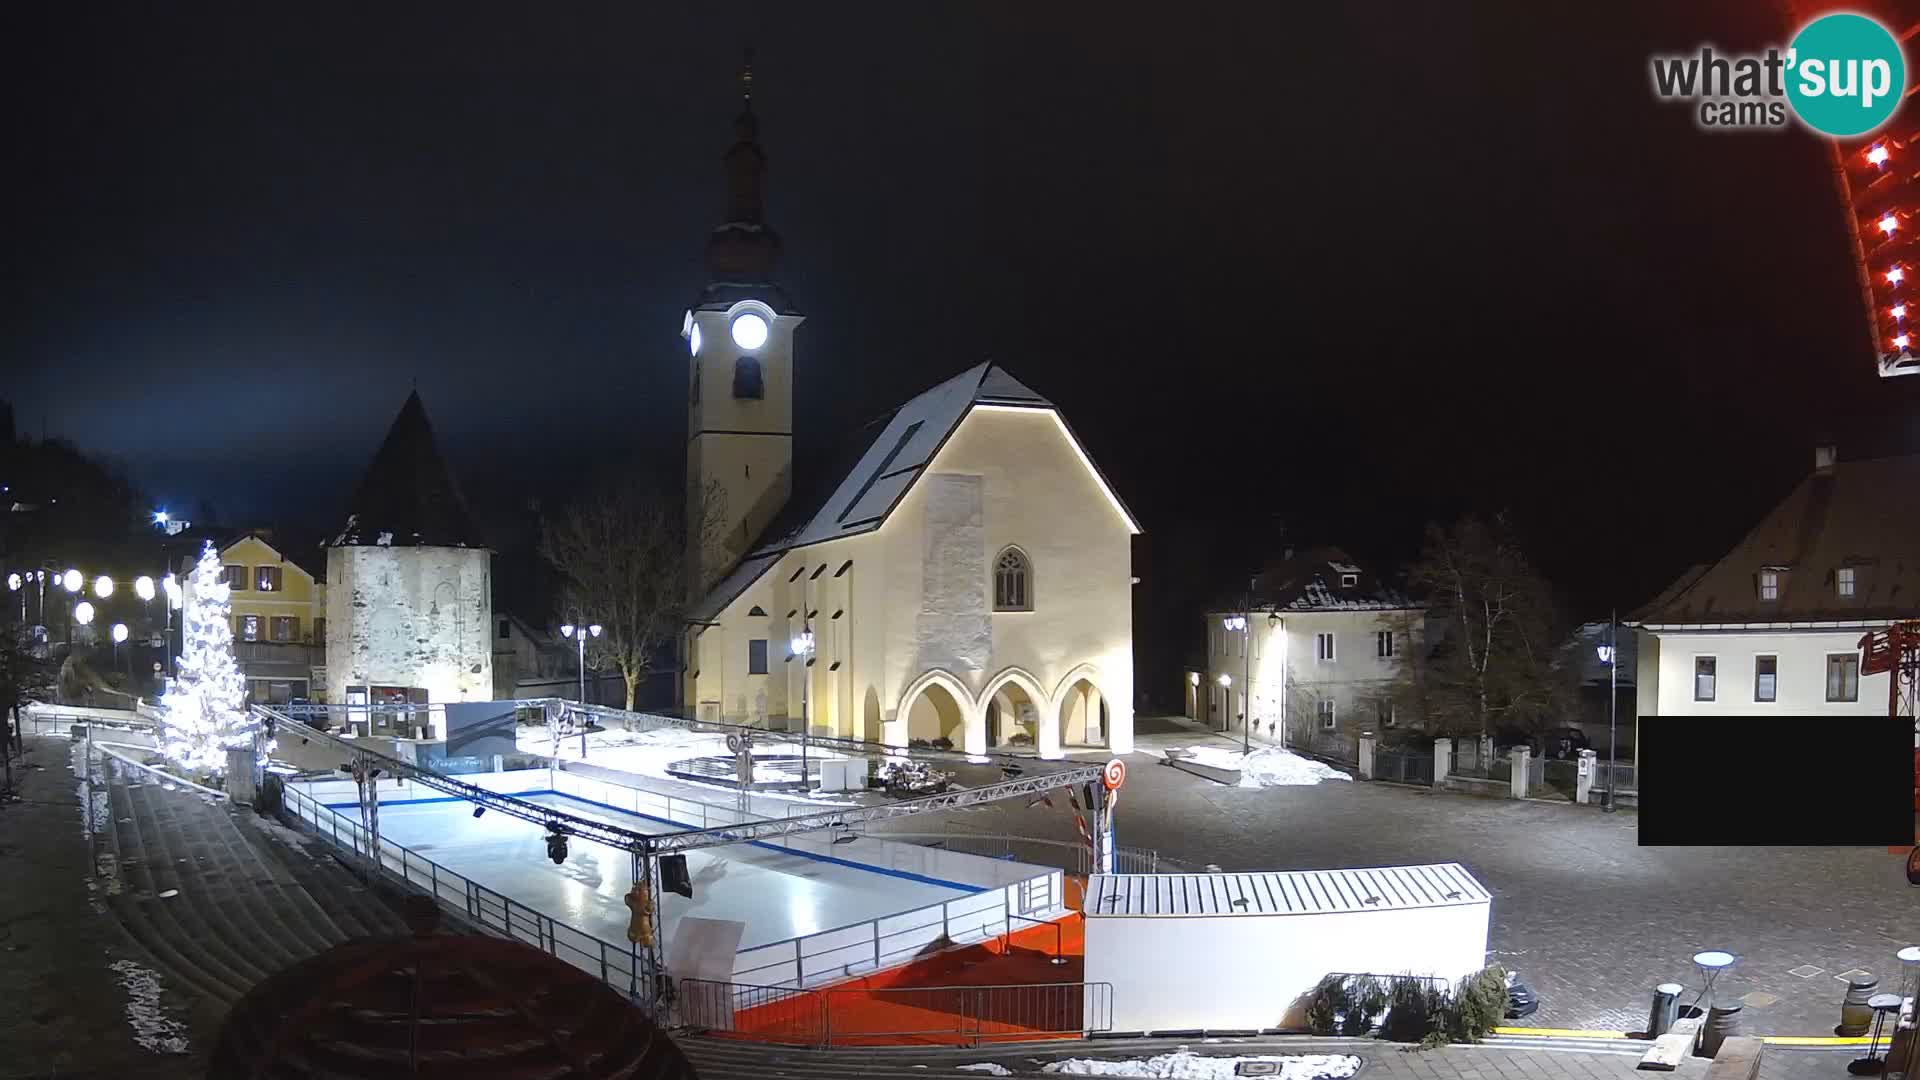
(1059, 929)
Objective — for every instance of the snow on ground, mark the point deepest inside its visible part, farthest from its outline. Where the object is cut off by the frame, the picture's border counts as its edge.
(648, 753)
(987, 1067)
(293, 838)
(1185, 1065)
(152, 1028)
(1267, 767)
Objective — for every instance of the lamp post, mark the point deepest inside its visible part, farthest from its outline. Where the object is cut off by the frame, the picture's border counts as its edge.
(803, 648)
(579, 634)
(119, 637)
(171, 585)
(1610, 656)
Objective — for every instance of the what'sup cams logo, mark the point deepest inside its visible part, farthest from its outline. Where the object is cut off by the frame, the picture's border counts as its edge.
(1843, 75)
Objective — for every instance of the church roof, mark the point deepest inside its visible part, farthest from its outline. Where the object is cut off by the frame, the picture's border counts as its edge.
(1859, 515)
(407, 497)
(885, 458)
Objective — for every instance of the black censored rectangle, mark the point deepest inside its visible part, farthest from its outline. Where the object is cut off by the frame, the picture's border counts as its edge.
(1823, 781)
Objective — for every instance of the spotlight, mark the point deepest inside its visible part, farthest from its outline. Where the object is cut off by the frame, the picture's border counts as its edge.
(846, 838)
(556, 845)
(478, 810)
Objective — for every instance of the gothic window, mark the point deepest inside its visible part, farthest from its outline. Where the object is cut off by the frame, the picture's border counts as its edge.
(746, 378)
(1012, 581)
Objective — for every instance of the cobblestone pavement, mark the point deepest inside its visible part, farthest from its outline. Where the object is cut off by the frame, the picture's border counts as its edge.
(1591, 920)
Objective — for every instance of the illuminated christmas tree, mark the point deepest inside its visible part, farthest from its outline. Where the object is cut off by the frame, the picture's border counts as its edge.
(206, 710)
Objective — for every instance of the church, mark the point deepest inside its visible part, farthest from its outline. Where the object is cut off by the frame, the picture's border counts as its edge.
(964, 575)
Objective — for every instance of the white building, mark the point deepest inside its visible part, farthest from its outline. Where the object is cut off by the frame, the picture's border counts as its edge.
(967, 576)
(1327, 640)
(409, 587)
(1775, 625)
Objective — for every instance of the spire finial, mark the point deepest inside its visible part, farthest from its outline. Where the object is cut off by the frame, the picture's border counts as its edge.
(746, 80)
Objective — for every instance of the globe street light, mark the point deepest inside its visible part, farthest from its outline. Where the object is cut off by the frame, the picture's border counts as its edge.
(580, 634)
(71, 579)
(802, 644)
(143, 587)
(103, 586)
(83, 613)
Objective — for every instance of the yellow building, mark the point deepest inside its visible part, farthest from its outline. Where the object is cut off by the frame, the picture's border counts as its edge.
(279, 620)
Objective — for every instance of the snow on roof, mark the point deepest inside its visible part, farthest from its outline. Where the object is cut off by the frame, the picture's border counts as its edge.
(1302, 892)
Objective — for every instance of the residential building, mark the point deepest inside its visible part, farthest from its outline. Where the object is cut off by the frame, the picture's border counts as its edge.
(530, 661)
(1316, 642)
(1774, 626)
(410, 602)
(279, 606)
(966, 575)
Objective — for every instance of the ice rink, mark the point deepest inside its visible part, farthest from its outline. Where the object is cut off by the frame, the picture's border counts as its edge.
(806, 905)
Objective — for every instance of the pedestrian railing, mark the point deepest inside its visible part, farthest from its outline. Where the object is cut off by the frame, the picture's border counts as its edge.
(923, 1015)
(1073, 857)
(1621, 773)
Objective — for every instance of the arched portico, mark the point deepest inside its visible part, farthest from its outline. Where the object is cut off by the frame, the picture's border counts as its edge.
(935, 705)
(1082, 711)
(1013, 703)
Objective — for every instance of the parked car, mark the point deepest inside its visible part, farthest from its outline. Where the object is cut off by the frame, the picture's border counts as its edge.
(1521, 1000)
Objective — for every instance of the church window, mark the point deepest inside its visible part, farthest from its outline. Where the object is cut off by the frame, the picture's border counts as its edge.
(757, 656)
(746, 378)
(1012, 581)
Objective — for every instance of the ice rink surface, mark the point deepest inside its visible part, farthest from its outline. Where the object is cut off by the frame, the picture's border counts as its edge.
(778, 892)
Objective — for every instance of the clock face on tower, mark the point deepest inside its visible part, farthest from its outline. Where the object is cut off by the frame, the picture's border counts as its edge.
(749, 331)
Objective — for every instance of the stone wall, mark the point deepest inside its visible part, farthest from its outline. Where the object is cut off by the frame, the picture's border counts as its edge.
(413, 617)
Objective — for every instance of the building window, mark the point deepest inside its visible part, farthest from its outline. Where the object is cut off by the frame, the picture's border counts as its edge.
(1387, 716)
(1383, 644)
(320, 631)
(266, 578)
(1703, 677)
(249, 628)
(1013, 581)
(757, 656)
(746, 378)
(285, 628)
(235, 577)
(1843, 677)
(1348, 581)
(1327, 720)
(1323, 648)
(1843, 581)
(1766, 678)
(1769, 584)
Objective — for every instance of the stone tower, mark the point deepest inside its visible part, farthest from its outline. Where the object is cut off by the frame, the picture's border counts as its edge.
(409, 586)
(739, 336)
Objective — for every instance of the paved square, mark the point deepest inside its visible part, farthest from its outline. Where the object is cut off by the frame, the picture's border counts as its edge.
(1591, 920)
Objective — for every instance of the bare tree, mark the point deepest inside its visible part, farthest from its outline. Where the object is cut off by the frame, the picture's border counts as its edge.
(1493, 667)
(623, 557)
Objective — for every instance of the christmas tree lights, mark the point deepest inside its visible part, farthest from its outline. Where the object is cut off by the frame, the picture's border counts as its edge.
(206, 710)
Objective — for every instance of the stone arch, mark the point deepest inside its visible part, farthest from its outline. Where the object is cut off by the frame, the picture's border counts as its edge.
(935, 705)
(1082, 710)
(1001, 707)
(872, 727)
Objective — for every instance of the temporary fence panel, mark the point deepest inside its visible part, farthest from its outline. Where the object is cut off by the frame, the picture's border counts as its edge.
(882, 1016)
(1241, 951)
(1403, 767)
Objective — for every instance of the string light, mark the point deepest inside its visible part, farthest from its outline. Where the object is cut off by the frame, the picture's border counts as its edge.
(1900, 342)
(1894, 275)
(1889, 223)
(1877, 155)
(1899, 311)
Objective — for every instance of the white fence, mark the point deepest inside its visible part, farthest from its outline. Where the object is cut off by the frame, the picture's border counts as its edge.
(809, 960)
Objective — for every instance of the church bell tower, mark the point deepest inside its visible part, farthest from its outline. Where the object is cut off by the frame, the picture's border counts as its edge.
(739, 337)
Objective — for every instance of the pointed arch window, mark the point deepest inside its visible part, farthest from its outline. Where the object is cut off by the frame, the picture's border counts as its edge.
(1012, 581)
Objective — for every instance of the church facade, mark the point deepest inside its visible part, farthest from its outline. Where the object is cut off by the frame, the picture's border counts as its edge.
(966, 576)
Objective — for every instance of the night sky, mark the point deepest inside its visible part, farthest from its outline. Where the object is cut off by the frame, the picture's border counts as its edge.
(1341, 271)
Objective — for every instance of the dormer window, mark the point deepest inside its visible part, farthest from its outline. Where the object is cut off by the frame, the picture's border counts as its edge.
(1348, 581)
(1843, 581)
(1769, 585)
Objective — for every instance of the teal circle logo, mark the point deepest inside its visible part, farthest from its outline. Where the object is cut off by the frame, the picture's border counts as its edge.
(1845, 74)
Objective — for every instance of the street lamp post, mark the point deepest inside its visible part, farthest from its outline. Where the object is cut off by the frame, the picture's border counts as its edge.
(1610, 655)
(579, 634)
(803, 648)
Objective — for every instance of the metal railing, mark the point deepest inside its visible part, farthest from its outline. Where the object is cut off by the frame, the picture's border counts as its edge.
(616, 965)
(1623, 775)
(1470, 759)
(1070, 856)
(1547, 777)
(941, 1015)
(1403, 766)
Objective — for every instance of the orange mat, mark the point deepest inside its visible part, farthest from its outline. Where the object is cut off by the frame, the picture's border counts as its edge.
(938, 1000)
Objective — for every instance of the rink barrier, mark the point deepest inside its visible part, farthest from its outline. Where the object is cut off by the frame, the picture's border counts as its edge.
(938, 1015)
(808, 960)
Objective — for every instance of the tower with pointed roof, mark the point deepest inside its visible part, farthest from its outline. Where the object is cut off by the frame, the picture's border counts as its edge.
(410, 589)
(739, 336)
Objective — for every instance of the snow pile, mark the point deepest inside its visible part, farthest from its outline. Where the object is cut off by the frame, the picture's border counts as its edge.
(1184, 1065)
(1274, 767)
(987, 1067)
(1213, 757)
(152, 1028)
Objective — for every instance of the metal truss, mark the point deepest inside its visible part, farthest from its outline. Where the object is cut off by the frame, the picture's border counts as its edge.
(1064, 776)
(849, 817)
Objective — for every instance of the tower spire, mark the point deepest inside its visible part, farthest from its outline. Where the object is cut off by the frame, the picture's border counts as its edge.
(746, 81)
(742, 249)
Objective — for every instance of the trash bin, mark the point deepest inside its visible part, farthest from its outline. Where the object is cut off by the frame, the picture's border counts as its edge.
(1723, 1023)
(1666, 1002)
(1856, 1016)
